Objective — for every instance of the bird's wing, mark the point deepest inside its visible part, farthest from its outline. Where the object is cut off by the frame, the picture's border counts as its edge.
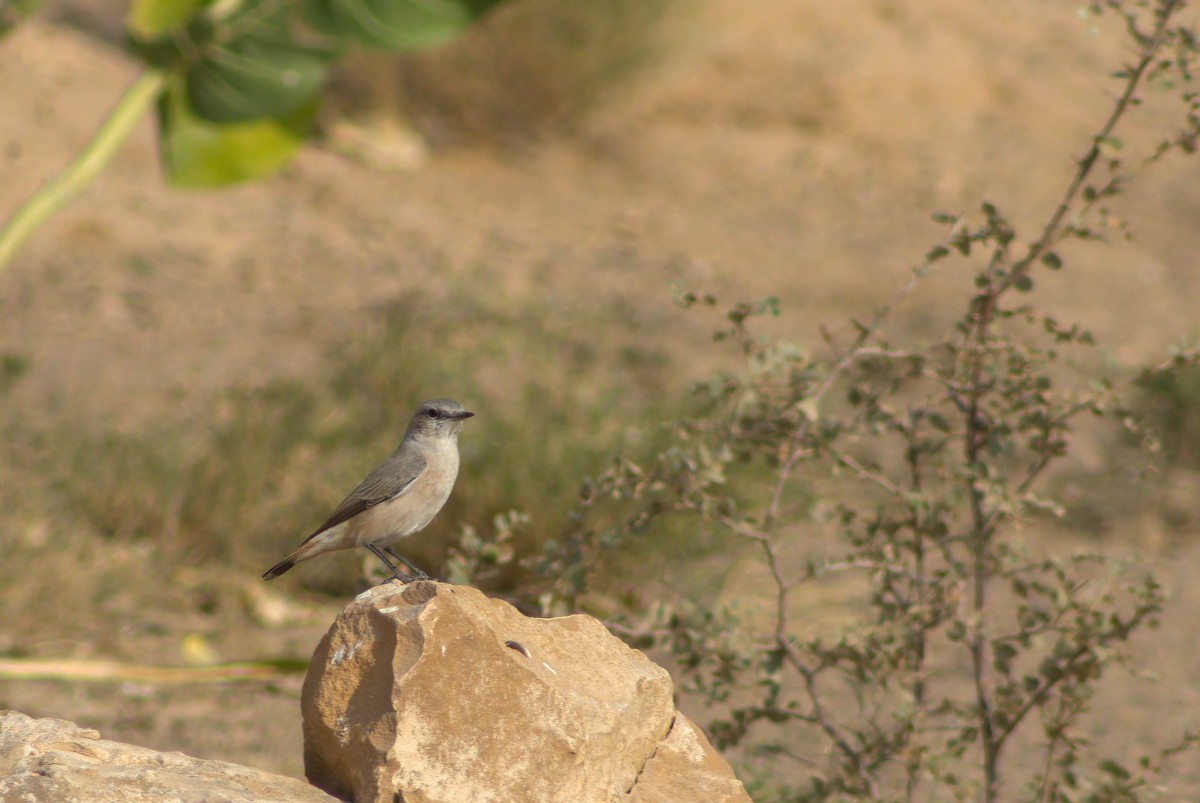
(391, 479)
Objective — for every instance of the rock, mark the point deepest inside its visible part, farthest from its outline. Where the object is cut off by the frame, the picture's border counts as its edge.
(52, 759)
(433, 693)
(685, 767)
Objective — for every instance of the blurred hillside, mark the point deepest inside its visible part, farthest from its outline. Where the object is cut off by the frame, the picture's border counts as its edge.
(194, 379)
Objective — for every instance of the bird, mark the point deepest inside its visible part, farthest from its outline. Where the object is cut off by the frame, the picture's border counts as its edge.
(400, 497)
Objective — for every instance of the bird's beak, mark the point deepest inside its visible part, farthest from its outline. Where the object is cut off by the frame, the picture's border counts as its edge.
(463, 416)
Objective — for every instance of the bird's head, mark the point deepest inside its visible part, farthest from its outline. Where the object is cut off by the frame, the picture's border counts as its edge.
(438, 418)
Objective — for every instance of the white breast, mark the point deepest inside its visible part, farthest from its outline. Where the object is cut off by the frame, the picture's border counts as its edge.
(412, 510)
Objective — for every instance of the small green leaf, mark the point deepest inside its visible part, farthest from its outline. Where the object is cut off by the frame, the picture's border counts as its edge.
(393, 24)
(1004, 654)
(152, 19)
(1051, 260)
(255, 68)
(1023, 283)
(253, 79)
(1114, 769)
(199, 153)
(936, 253)
(938, 422)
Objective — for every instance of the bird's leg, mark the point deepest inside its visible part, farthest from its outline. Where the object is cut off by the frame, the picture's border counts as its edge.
(401, 576)
(417, 573)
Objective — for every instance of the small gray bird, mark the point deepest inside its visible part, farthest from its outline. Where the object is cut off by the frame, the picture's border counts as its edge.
(398, 498)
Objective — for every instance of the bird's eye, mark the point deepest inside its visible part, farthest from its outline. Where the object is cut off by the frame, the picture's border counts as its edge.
(433, 413)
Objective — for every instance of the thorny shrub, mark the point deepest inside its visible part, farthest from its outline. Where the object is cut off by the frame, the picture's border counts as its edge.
(930, 459)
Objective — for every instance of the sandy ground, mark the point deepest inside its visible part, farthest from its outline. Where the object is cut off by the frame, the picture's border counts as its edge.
(793, 148)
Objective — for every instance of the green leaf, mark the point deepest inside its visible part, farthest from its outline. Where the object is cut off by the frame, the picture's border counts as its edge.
(1004, 653)
(258, 70)
(253, 79)
(1023, 283)
(1051, 260)
(393, 24)
(152, 19)
(1114, 769)
(199, 153)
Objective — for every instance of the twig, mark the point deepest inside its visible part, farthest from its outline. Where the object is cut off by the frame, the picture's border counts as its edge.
(84, 168)
(110, 671)
(1150, 47)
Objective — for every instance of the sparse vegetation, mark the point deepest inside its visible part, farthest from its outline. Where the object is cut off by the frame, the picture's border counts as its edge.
(806, 532)
(1170, 402)
(930, 460)
(264, 459)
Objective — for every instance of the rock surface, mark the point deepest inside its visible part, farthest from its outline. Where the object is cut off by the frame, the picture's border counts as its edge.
(432, 693)
(56, 760)
(685, 767)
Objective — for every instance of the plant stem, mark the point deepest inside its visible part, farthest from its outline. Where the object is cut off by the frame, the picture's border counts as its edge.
(1151, 45)
(981, 528)
(84, 168)
(980, 318)
(920, 628)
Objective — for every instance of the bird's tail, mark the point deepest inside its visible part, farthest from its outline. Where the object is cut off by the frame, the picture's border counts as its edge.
(309, 549)
(316, 544)
(278, 569)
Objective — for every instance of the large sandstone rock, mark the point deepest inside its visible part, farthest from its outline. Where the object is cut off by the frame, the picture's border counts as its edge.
(685, 768)
(56, 760)
(432, 693)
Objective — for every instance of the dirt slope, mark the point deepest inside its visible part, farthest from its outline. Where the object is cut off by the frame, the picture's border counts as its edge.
(793, 148)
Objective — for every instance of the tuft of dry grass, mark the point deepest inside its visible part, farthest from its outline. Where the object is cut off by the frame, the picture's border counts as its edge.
(265, 464)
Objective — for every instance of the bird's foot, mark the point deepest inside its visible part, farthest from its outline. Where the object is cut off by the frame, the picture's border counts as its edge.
(405, 579)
